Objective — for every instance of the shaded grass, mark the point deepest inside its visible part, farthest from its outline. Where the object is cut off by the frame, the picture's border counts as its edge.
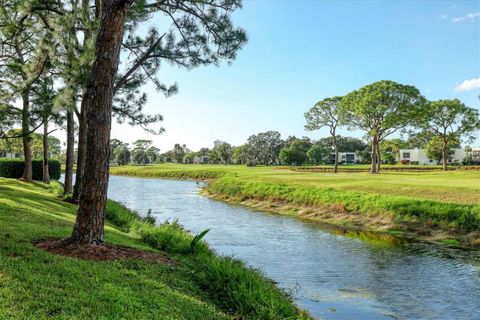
(35, 284)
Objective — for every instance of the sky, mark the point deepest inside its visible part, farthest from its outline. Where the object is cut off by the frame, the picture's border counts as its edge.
(299, 52)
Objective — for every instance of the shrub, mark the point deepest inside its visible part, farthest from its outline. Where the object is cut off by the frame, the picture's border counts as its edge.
(13, 168)
(415, 163)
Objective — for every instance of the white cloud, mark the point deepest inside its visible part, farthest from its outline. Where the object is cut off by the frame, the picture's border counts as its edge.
(467, 85)
(442, 16)
(468, 17)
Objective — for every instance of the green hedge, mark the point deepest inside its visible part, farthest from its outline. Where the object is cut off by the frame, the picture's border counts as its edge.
(13, 168)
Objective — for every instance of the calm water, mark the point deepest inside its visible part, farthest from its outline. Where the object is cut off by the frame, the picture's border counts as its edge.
(334, 276)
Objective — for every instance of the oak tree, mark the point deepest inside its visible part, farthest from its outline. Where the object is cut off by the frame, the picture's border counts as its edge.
(449, 121)
(381, 109)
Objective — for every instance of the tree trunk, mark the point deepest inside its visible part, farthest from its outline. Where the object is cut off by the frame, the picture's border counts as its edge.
(27, 152)
(68, 188)
(373, 168)
(82, 140)
(335, 166)
(379, 158)
(46, 175)
(89, 225)
(445, 155)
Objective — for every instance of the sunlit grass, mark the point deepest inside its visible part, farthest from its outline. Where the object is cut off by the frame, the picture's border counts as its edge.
(452, 186)
(434, 198)
(35, 284)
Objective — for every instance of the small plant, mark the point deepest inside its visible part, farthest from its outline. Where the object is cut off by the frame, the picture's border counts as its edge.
(150, 219)
(197, 239)
(68, 198)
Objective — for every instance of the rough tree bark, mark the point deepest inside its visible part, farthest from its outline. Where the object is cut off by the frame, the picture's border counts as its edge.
(46, 174)
(82, 140)
(68, 185)
(27, 152)
(89, 226)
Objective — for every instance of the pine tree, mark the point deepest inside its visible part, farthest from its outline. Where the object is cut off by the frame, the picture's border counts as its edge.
(202, 33)
(25, 57)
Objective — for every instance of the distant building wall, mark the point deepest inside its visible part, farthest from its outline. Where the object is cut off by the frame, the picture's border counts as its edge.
(345, 157)
(420, 156)
(476, 154)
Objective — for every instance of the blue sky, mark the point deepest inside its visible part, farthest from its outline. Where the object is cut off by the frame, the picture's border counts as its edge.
(300, 52)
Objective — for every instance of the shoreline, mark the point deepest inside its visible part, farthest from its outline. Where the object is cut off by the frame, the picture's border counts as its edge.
(344, 223)
(344, 213)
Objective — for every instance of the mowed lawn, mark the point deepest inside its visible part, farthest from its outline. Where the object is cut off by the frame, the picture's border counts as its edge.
(35, 284)
(456, 186)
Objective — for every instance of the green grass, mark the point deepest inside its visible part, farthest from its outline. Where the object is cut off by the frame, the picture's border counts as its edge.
(35, 284)
(450, 199)
(451, 242)
(200, 172)
(464, 216)
(453, 186)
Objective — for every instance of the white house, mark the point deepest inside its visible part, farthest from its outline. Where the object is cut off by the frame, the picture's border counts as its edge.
(345, 157)
(420, 156)
(476, 155)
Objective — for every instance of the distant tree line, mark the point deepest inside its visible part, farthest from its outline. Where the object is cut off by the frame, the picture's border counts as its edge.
(268, 148)
(379, 110)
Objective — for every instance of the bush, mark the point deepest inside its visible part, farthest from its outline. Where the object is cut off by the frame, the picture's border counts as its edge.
(414, 163)
(13, 168)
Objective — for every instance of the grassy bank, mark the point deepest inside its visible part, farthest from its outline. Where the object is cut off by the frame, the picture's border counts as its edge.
(174, 171)
(35, 284)
(431, 205)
